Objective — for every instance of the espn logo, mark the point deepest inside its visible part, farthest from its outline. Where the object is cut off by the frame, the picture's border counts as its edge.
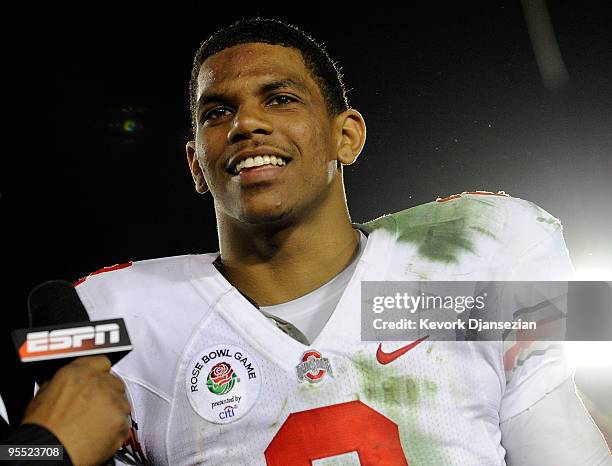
(69, 341)
(70, 338)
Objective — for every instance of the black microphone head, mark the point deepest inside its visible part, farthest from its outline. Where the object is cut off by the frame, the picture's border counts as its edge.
(53, 303)
(60, 331)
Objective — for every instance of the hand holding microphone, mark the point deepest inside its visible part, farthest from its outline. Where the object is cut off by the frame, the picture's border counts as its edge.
(85, 407)
(79, 400)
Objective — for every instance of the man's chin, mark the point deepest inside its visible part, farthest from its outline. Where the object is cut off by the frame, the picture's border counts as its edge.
(268, 218)
(277, 217)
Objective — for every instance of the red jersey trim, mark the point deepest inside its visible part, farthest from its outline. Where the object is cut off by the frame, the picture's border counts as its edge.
(482, 193)
(103, 270)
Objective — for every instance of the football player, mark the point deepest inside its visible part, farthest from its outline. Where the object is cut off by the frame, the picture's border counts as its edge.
(253, 355)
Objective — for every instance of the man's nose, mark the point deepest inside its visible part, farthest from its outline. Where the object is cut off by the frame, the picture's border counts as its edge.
(248, 121)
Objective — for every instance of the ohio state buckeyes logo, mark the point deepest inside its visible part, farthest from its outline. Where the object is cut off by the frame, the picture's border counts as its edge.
(221, 379)
(313, 367)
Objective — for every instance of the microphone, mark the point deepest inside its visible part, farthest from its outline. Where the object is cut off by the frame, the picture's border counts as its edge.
(60, 331)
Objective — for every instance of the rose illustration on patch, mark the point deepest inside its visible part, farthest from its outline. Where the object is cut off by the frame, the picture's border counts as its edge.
(223, 383)
(221, 379)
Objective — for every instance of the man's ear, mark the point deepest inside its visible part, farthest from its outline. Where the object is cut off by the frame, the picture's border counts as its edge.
(194, 167)
(352, 130)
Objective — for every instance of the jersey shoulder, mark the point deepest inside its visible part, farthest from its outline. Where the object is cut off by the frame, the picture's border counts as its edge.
(158, 267)
(129, 275)
(445, 229)
(161, 305)
(124, 289)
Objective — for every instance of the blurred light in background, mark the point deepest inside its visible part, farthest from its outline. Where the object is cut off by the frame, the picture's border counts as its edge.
(590, 353)
(128, 124)
(593, 274)
(545, 45)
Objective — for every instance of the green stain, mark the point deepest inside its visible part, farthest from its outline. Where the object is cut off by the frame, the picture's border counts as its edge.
(393, 391)
(412, 270)
(542, 216)
(386, 222)
(444, 230)
(456, 393)
(310, 390)
(430, 388)
(397, 396)
(280, 413)
(441, 242)
(549, 220)
(381, 384)
(483, 231)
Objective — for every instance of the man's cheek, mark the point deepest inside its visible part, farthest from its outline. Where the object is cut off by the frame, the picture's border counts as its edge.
(207, 161)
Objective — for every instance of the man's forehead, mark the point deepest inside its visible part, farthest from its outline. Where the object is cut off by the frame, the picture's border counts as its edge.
(252, 60)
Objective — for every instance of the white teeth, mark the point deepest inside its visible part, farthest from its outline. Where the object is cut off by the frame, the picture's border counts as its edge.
(259, 161)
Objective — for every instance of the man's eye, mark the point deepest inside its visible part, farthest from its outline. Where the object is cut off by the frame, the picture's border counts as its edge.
(216, 113)
(281, 100)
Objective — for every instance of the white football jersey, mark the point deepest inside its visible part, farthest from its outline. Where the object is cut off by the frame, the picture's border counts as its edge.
(212, 381)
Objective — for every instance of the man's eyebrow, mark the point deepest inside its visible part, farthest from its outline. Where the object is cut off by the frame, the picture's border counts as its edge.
(205, 98)
(279, 84)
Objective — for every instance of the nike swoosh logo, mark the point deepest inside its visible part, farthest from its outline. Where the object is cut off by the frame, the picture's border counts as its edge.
(386, 358)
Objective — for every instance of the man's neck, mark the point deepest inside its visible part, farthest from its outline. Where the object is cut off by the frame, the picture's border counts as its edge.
(273, 266)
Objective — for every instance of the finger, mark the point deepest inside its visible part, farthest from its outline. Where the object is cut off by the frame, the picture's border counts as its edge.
(43, 387)
(124, 430)
(121, 436)
(118, 396)
(112, 382)
(124, 405)
(97, 363)
(125, 433)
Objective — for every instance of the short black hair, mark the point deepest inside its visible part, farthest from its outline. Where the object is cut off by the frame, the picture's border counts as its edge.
(325, 71)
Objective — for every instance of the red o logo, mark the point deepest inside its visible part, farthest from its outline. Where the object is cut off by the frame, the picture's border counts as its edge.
(313, 355)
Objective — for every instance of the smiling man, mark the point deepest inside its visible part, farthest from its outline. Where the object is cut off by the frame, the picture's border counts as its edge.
(269, 145)
(253, 354)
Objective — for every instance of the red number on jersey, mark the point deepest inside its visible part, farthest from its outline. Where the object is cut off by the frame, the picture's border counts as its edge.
(334, 430)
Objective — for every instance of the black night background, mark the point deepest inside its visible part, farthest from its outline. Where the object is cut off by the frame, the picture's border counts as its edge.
(455, 100)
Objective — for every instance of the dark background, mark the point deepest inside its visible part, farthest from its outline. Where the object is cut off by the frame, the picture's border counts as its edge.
(95, 174)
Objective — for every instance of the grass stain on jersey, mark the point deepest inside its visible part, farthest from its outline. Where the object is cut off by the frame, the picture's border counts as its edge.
(430, 388)
(394, 391)
(544, 217)
(383, 385)
(483, 231)
(397, 396)
(549, 220)
(442, 231)
(280, 413)
(410, 269)
(456, 393)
